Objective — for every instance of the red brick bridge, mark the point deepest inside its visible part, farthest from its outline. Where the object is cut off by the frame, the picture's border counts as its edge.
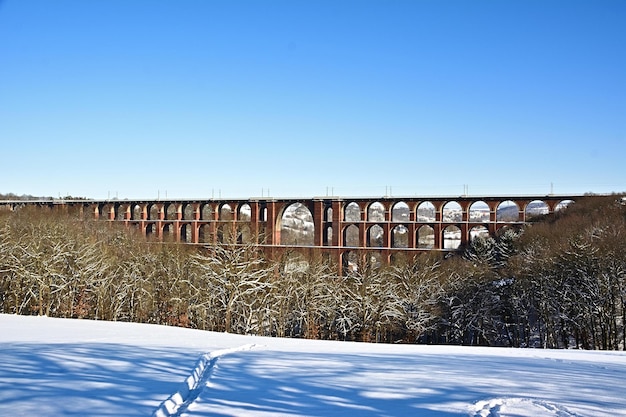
(336, 226)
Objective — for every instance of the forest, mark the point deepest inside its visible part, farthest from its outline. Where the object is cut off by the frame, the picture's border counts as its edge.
(560, 282)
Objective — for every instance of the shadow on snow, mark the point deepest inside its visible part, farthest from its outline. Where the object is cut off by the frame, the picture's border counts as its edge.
(88, 379)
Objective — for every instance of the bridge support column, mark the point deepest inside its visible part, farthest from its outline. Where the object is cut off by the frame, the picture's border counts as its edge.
(362, 234)
(254, 221)
(318, 222)
(337, 224)
(411, 231)
(387, 238)
(177, 232)
(270, 224)
(464, 234)
(438, 230)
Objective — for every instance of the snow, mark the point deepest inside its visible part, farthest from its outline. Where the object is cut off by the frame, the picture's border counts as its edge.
(65, 367)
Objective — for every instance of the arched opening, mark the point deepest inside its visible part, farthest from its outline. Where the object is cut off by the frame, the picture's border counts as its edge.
(425, 237)
(375, 260)
(171, 212)
(153, 212)
(137, 212)
(426, 212)
(226, 213)
(107, 212)
(328, 237)
(204, 234)
(188, 212)
(245, 234)
(245, 213)
(376, 212)
(352, 213)
(536, 208)
(478, 231)
(186, 233)
(400, 237)
(296, 226)
(351, 236)
(206, 212)
(563, 205)
(225, 234)
(479, 212)
(151, 231)
(507, 211)
(451, 237)
(120, 213)
(376, 236)
(400, 212)
(452, 212)
(350, 262)
(168, 232)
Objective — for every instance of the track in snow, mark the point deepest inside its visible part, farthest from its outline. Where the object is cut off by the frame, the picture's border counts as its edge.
(191, 388)
(505, 407)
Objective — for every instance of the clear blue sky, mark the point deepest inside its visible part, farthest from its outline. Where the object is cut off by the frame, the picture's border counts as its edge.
(192, 99)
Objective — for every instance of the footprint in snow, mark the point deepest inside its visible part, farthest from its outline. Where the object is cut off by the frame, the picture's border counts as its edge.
(517, 407)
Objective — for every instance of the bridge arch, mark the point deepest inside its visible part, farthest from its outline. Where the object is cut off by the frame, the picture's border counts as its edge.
(171, 211)
(296, 225)
(452, 212)
(152, 232)
(357, 261)
(206, 212)
(138, 212)
(245, 213)
(479, 211)
(536, 208)
(327, 224)
(106, 211)
(224, 233)
(169, 232)
(400, 237)
(508, 211)
(352, 212)
(226, 212)
(189, 211)
(426, 212)
(154, 211)
(186, 232)
(400, 212)
(122, 211)
(205, 234)
(563, 204)
(351, 236)
(349, 262)
(451, 237)
(376, 212)
(478, 231)
(426, 237)
(376, 236)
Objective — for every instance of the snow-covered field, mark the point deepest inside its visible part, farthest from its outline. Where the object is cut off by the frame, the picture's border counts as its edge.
(60, 367)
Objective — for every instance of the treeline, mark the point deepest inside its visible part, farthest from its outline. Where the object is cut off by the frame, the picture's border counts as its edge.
(559, 283)
(23, 197)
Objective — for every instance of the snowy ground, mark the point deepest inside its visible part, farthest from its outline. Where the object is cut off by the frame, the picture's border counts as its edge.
(56, 367)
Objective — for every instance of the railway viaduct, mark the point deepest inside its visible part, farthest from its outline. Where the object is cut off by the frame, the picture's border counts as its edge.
(339, 227)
